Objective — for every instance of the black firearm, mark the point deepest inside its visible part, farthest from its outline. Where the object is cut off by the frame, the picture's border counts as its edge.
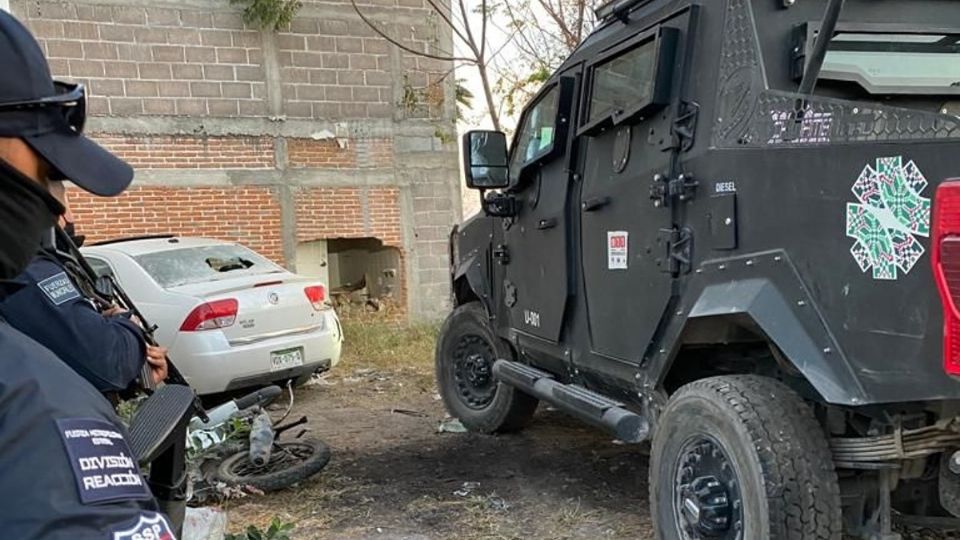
(106, 293)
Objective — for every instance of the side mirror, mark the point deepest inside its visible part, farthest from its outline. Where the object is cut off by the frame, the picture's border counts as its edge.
(485, 160)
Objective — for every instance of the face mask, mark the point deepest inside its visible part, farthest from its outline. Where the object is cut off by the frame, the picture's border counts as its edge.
(26, 211)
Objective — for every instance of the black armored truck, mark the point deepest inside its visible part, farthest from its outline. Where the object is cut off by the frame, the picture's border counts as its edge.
(728, 227)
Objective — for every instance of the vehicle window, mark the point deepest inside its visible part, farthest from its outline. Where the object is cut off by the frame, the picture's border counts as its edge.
(535, 137)
(204, 263)
(623, 82)
(100, 267)
(896, 63)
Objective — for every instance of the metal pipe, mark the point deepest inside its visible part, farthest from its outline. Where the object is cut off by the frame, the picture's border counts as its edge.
(827, 28)
(886, 525)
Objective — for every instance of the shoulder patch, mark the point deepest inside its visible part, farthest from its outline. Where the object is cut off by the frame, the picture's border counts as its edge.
(104, 467)
(149, 526)
(59, 289)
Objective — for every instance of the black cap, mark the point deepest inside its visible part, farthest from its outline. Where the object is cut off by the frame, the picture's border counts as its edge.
(45, 129)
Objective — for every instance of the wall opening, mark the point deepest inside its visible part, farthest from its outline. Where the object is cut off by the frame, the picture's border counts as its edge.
(361, 273)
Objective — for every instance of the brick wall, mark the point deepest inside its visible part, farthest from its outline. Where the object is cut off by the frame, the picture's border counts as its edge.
(151, 60)
(232, 129)
(190, 152)
(308, 153)
(349, 213)
(192, 61)
(250, 216)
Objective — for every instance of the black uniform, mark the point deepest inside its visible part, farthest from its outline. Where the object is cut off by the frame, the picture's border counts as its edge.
(66, 471)
(50, 308)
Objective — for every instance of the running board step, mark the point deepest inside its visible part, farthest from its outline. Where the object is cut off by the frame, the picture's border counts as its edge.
(577, 401)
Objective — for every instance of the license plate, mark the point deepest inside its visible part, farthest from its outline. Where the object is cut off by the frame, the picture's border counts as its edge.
(286, 359)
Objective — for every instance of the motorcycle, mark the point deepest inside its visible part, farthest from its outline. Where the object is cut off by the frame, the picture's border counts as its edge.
(259, 459)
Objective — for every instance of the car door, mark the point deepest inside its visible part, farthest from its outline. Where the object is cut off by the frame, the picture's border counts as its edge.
(624, 131)
(535, 255)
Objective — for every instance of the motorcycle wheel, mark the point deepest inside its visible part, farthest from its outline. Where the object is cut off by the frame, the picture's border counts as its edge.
(291, 462)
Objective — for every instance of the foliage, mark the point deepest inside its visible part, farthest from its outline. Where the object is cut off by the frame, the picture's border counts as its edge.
(269, 14)
(543, 33)
(126, 410)
(278, 530)
(514, 46)
(385, 344)
(517, 91)
(464, 98)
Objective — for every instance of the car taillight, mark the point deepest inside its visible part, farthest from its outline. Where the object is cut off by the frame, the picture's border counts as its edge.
(317, 294)
(211, 315)
(946, 268)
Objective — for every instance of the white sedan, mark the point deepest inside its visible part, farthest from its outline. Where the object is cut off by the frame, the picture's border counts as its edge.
(230, 317)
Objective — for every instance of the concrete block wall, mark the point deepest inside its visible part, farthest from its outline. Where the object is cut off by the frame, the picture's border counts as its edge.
(268, 137)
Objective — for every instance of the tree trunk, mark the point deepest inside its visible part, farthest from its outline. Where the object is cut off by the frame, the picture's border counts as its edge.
(488, 94)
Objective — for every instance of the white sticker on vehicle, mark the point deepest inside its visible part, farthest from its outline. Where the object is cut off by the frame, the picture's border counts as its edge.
(618, 243)
(531, 318)
(890, 214)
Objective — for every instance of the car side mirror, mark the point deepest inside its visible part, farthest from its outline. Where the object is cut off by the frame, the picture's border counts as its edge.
(485, 160)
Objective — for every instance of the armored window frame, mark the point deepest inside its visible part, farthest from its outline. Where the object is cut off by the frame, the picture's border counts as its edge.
(662, 42)
(804, 36)
(564, 87)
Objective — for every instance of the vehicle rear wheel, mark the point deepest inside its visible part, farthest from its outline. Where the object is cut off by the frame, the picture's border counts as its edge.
(465, 354)
(291, 462)
(742, 457)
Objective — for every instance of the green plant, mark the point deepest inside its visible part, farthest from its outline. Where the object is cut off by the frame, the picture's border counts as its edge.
(278, 530)
(269, 14)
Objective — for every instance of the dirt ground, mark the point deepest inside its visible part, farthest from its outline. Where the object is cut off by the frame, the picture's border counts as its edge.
(393, 476)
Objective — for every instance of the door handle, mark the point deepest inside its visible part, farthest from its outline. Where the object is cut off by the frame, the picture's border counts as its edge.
(595, 203)
(545, 224)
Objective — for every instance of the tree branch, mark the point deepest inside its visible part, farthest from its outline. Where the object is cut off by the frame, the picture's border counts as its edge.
(403, 47)
(483, 29)
(443, 15)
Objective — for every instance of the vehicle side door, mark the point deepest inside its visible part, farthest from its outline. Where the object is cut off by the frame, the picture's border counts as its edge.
(536, 246)
(624, 133)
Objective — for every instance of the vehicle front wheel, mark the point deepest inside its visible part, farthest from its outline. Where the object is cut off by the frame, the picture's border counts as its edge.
(466, 351)
(742, 457)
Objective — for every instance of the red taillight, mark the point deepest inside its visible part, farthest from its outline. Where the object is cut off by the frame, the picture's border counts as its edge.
(946, 268)
(317, 294)
(211, 315)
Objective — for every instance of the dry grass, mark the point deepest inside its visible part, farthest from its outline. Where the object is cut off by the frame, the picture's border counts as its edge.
(385, 345)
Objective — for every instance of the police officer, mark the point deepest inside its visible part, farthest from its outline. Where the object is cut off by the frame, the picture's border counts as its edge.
(67, 470)
(108, 349)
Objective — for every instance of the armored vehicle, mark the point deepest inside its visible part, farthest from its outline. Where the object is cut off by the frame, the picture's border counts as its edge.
(728, 227)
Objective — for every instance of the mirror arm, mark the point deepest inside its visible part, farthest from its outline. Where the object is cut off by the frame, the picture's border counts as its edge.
(501, 205)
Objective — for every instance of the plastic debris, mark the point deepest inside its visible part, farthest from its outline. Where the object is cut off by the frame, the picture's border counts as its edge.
(205, 523)
(451, 425)
(497, 504)
(467, 489)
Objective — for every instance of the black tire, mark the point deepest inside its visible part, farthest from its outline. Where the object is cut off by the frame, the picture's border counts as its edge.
(466, 350)
(315, 456)
(753, 441)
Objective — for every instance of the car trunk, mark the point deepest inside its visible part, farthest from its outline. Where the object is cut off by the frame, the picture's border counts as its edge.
(269, 305)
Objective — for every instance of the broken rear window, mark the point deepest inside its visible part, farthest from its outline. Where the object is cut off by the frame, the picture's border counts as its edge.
(185, 266)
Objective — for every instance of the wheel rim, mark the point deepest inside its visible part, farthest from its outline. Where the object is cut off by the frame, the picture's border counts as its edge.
(473, 359)
(284, 456)
(707, 499)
